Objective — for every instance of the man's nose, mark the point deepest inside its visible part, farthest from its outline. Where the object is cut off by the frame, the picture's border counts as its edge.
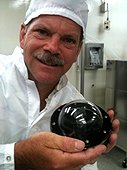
(53, 44)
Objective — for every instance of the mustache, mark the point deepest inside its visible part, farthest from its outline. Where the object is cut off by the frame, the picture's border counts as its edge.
(49, 58)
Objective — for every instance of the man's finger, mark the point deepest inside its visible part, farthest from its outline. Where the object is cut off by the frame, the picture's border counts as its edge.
(67, 144)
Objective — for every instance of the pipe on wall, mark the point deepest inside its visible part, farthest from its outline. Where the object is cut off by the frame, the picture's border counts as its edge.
(82, 70)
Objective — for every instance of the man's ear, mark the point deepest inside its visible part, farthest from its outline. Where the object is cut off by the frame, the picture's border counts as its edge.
(22, 35)
(79, 50)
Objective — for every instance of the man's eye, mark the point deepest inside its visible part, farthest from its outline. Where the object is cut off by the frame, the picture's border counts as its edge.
(69, 40)
(43, 32)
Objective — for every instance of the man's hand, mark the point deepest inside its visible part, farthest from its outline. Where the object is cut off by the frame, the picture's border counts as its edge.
(49, 151)
(115, 130)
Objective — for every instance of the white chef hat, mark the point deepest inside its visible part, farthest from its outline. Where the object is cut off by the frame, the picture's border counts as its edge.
(75, 10)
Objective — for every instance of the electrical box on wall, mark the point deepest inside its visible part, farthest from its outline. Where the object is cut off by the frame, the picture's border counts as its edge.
(94, 55)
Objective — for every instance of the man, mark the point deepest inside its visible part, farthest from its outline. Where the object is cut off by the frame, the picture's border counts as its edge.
(33, 85)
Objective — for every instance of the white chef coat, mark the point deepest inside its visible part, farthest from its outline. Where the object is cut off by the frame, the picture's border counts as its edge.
(20, 114)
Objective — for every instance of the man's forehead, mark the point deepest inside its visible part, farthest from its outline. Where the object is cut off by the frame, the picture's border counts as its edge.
(55, 19)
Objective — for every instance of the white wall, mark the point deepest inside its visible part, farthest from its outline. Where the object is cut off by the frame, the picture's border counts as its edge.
(11, 17)
(115, 40)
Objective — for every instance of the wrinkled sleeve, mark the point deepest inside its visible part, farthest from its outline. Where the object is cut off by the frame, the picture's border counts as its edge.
(7, 156)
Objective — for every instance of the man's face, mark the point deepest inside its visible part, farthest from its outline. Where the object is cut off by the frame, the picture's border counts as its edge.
(56, 37)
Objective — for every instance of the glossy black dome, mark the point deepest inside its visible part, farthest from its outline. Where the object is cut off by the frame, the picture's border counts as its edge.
(82, 120)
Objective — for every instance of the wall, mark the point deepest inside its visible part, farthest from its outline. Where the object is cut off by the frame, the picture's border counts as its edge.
(11, 17)
(115, 40)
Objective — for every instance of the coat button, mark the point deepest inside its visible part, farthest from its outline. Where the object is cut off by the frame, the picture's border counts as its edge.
(8, 158)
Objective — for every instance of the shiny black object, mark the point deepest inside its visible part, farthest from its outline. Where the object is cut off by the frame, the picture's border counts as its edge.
(82, 120)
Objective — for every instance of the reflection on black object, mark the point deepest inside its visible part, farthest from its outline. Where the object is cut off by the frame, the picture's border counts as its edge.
(82, 120)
